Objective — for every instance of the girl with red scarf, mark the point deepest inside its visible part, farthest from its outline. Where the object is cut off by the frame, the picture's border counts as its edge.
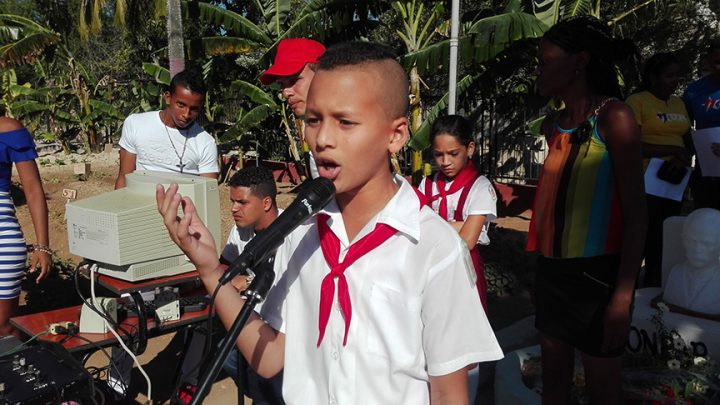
(458, 193)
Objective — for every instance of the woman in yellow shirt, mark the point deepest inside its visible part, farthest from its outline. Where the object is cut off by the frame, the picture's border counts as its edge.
(664, 127)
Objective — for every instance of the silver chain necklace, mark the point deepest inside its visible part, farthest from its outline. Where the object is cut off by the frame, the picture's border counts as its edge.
(180, 156)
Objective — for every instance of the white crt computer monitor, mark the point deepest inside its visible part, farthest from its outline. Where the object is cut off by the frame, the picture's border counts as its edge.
(123, 233)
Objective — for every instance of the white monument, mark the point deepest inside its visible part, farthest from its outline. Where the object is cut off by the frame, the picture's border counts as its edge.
(694, 283)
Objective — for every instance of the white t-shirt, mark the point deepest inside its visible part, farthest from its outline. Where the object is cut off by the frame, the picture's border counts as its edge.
(415, 311)
(481, 200)
(145, 136)
(237, 239)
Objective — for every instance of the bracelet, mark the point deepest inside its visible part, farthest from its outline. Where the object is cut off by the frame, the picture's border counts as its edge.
(41, 248)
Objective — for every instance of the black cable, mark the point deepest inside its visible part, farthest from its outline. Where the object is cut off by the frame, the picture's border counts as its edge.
(141, 341)
(111, 362)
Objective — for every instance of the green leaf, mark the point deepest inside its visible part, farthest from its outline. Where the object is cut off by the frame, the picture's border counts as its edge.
(26, 49)
(28, 107)
(254, 93)
(547, 11)
(247, 121)
(535, 126)
(421, 139)
(216, 46)
(513, 5)
(578, 7)
(484, 40)
(67, 117)
(159, 73)
(231, 22)
(106, 109)
(494, 34)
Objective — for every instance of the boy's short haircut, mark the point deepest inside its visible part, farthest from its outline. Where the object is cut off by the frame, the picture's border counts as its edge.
(355, 53)
(190, 78)
(258, 179)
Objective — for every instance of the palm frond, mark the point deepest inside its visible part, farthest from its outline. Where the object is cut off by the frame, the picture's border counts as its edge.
(494, 34)
(22, 40)
(547, 11)
(576, 8)
(232, 22)
(247, 121)
(103, 109)
(28, 107)
(254, 93)
(216, 46)
(276, 13)
(159, 73)
(435, 57)
(421, 138)
(26, 49)
(513, 5)
(484, 40)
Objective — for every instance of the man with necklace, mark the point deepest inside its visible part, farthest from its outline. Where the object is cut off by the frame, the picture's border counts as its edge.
(166, 141)
(170, 140)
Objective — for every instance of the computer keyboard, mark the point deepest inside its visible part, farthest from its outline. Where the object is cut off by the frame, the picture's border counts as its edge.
(193, 303)
(187, 304)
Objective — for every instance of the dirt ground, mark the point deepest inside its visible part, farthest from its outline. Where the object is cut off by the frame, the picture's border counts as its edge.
(57, 172)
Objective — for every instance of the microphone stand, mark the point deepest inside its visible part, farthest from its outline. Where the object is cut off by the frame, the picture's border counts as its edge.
(256, 293)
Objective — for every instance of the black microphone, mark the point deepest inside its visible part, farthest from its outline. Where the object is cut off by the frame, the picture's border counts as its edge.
(311, 198)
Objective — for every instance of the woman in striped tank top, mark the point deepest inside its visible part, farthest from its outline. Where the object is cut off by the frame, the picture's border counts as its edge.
(17, 146)
(589, 217)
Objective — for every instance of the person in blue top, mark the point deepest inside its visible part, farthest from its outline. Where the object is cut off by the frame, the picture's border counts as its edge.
(702, 99)
(17, 147)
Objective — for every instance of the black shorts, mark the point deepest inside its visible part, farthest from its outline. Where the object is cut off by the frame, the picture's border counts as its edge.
(571, 296)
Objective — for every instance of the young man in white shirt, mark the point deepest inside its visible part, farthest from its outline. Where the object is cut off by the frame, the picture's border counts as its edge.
(166, 141)
(252, 193)
(407, 323)
(170, 140)
(293, 69)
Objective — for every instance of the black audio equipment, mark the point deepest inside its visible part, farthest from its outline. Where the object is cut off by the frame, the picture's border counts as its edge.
(43, 373)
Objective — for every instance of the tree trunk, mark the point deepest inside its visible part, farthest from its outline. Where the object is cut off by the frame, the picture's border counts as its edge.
(415, 118)
(176, 48)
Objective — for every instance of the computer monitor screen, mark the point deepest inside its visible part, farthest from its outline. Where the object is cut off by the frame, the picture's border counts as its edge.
(123, 232)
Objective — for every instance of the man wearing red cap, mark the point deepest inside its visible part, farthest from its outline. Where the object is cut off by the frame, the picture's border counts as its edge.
(294, 69)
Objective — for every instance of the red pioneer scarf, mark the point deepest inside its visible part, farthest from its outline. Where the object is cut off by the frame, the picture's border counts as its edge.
(330, 245)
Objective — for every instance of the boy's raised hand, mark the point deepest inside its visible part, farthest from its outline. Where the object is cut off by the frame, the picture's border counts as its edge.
(188, 232)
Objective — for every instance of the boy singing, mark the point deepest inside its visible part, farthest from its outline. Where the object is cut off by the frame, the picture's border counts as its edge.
(375, 298)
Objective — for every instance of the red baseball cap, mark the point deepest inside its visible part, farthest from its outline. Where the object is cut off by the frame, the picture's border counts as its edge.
(291, 57)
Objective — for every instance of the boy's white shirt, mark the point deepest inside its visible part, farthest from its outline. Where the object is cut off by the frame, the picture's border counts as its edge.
(481, 200)
(415, 311)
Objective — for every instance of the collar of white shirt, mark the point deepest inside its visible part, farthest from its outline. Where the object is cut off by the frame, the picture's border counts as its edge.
(402, 213)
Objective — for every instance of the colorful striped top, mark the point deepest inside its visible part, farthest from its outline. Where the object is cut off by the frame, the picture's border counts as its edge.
(577, 211)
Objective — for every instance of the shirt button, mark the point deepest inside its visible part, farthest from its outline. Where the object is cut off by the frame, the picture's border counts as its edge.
(334, 354)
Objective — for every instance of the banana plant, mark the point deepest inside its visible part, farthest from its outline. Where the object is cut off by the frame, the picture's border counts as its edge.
(23, 40)
(416, 37)
(316, 19)
(480, 42)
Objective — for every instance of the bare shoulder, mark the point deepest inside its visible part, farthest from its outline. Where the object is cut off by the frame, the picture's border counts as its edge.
(616, 111)
(617, 121)
(9, 124)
